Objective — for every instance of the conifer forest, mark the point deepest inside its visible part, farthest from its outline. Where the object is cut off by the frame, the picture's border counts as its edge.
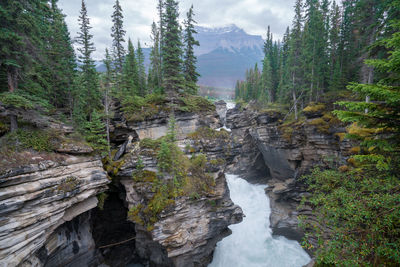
(132, 159)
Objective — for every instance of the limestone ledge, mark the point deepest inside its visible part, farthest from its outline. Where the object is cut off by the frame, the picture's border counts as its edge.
(38, 198)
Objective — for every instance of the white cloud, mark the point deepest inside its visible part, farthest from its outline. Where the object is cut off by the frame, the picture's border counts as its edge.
(252, 15)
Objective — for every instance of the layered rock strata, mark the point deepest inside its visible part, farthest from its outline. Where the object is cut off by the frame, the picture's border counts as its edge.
(37, 199)
(282, 153)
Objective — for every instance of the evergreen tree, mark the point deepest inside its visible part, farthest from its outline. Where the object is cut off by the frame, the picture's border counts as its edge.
(294, 58)
(284, 84)
(141, 70)
(61, 58)
(24, 25)
(131, 72)
(172, 50)
(313, 48)
(161, 32)
(107, 84)
(190, 60)
(90, 84)
(95, 133)
(154, 78)
(118, 35)
(334, 39)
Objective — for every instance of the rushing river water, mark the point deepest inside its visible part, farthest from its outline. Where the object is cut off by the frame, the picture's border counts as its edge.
(251, 243)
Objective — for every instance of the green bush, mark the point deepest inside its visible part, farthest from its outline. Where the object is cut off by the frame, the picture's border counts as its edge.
(16, 100)
(192, 103)
(39, 140)
(358, 217)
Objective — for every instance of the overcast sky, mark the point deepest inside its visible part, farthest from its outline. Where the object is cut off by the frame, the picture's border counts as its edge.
(251, 15)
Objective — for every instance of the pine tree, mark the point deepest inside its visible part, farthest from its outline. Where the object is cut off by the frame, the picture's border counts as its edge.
(294, 59)
(334, 39)
(131, 72)
(284, 79)
(141, 70)
(118, 35)
(95, 133)
(161, 31)
(90, 83)
(190, 60)
(154, 78)
(61, 58)
(107, 84)
(313, 48)
(172, 50)
(23, 27)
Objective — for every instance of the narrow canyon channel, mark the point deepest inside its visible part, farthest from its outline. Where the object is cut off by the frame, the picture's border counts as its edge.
(251, 243)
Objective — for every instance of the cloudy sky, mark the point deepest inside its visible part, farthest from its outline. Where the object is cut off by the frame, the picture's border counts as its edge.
(251, 15)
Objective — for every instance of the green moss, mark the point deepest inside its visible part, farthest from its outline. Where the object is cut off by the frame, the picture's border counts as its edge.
(68, 184)
(101, 200)
(148, 143)
(321, 125)
(136, 108)
(144, 176)
(289, 127)
(314, 107)
(217, 162)
(192, 103)
(39, 140)
(209, 134)
(112, 167)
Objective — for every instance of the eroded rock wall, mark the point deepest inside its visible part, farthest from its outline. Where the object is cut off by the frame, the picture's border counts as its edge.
(287, 154)
(37, 199)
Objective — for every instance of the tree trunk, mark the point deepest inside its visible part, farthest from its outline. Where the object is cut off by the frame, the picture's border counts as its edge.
(12, 79)
(107, 124)
(14, 123)
(12, 86)
(294, 98)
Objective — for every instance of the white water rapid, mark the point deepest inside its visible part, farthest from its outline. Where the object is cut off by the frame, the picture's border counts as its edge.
(251, 243)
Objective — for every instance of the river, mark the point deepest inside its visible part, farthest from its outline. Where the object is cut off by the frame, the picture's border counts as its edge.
(251, 243)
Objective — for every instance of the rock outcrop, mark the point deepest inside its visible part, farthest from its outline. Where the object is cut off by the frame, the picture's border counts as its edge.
(36, 200)
(185, 233)
(281, 153)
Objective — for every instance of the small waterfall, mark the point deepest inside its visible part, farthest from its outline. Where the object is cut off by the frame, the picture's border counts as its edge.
(251, 243)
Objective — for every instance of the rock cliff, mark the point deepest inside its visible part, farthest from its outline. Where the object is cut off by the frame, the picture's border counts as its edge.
(282, 152)
(37, 199)
(185, 233)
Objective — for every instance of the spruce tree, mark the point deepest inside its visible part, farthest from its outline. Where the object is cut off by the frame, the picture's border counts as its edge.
(294, 58)
(141, 70)
(118, 35)
(95, 133)
(23, 27)
(284, 79)
(107, 85)
(334, 39)
(61, 58)
(130, 72)
(190, 60)
(172, 50)
(90, 96)
(154, 78)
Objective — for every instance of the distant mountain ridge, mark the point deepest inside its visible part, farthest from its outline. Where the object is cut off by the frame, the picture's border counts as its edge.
(224, 55)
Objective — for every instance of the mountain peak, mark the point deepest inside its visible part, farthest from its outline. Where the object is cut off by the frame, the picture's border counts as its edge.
(219, 30)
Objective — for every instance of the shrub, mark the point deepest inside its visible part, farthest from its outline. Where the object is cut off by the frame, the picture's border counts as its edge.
(39, 140)
(357, 217)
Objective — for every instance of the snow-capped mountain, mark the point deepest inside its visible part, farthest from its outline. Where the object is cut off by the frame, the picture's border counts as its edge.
(225, 53)
(223, 56)
(229, 37)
